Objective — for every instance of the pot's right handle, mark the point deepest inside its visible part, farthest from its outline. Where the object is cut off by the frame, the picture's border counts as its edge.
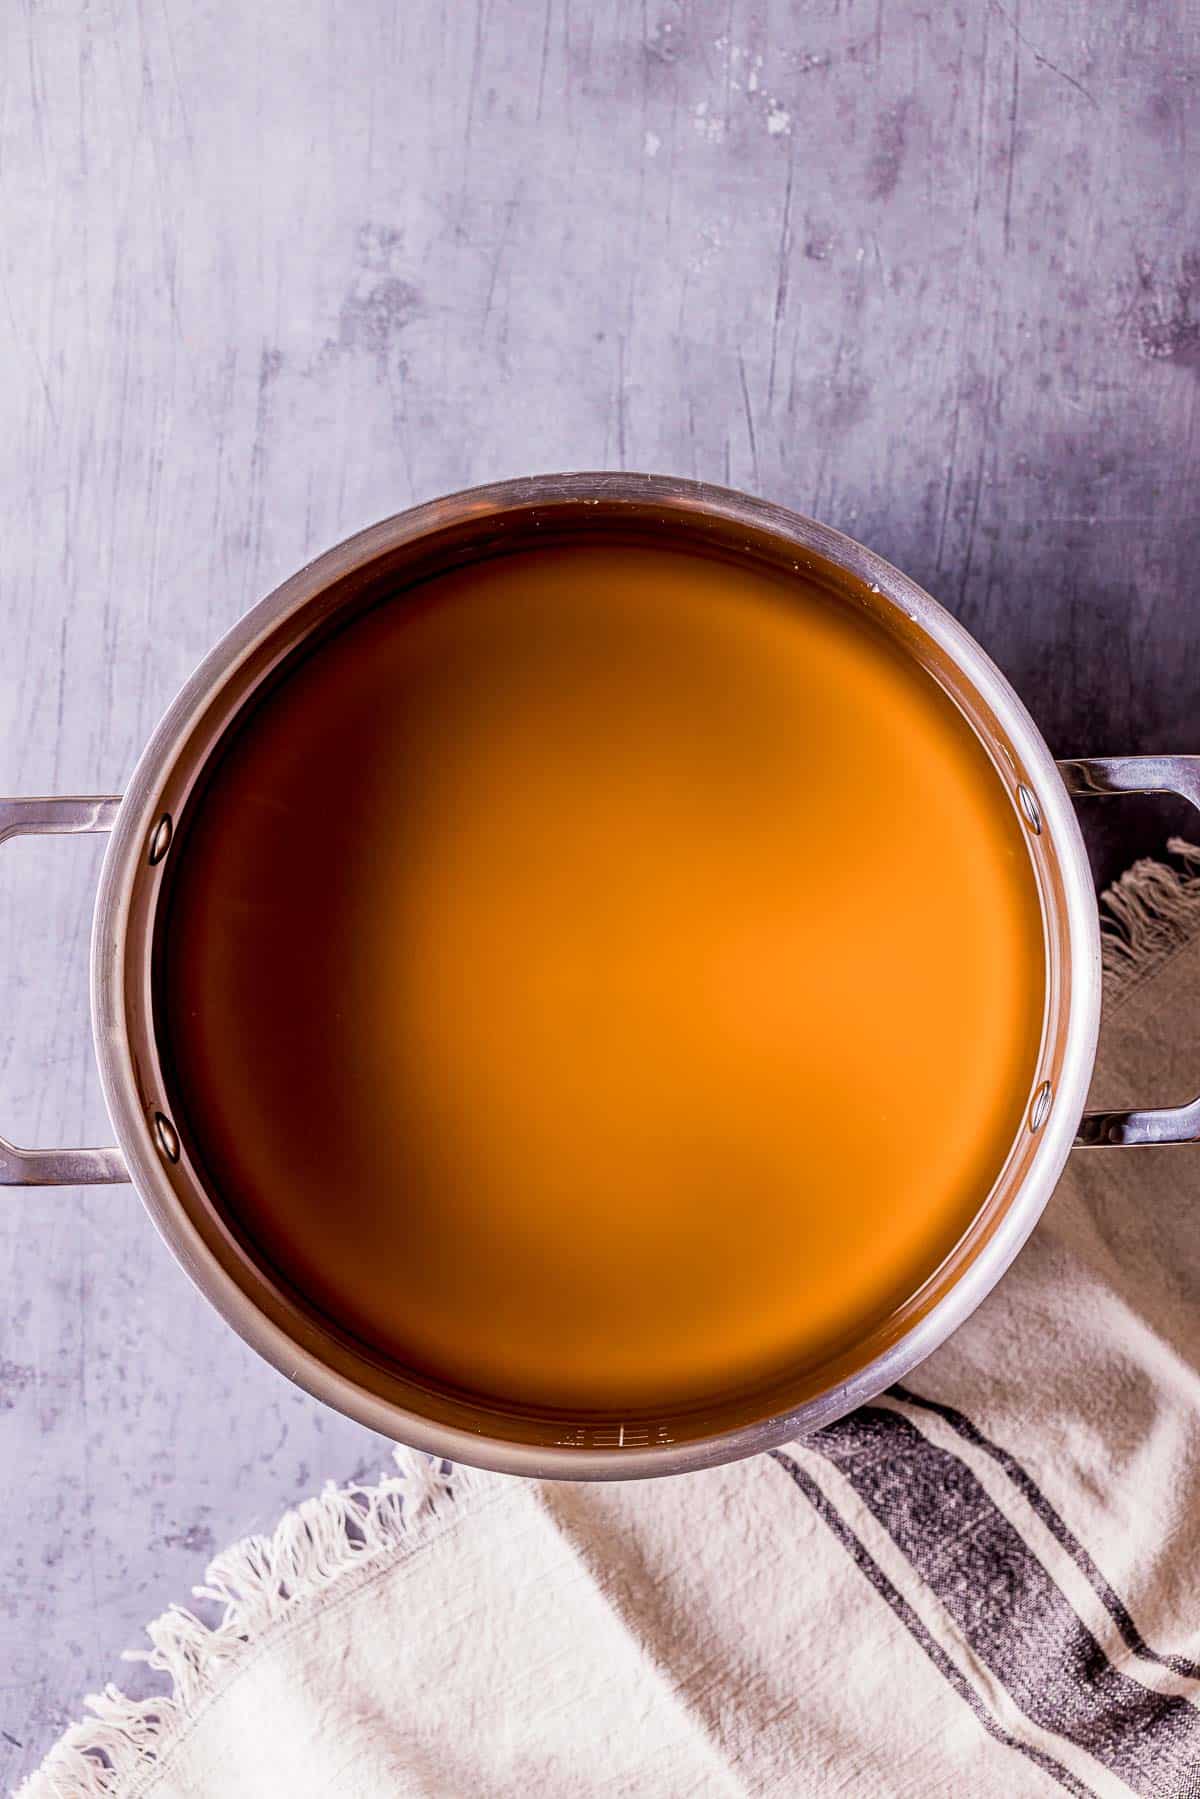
(58, 1167)
(1103, 775)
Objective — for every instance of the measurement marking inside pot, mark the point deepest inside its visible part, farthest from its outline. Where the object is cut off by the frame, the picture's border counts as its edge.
(615, 1436)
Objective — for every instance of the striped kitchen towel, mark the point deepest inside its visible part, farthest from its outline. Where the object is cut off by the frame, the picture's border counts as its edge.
(986, 1583)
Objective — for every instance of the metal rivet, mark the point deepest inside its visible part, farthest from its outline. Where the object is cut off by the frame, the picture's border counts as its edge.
(1029, 807)
(1039, 1111)
(168, 1137)
(160, 839)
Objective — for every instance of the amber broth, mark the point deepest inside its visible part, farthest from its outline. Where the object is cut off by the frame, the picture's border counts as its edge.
(608, 977)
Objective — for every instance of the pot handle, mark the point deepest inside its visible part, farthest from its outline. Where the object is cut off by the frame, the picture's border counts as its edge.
(58, 1167)
(1103, 775)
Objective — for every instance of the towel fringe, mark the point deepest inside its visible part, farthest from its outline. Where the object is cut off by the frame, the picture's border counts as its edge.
(257, 1583)
(1147, 915)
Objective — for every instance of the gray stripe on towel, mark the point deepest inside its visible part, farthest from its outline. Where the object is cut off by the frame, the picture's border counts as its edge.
(1016, 1620)
(1113, 1604)
(863, 1559)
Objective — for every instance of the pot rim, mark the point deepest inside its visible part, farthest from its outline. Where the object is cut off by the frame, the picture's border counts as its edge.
(134, 1125)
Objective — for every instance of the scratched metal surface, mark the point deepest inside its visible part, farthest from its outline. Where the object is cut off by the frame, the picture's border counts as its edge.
(271, 271)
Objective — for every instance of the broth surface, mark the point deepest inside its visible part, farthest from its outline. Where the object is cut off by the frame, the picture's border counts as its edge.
(605, 977)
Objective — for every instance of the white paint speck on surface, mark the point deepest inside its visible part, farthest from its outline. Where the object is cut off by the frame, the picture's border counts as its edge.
(653, 143)
(708, 125)
(741, 72)
(710, 244)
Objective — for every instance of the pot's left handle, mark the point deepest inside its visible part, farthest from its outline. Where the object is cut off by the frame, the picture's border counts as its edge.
(58, 1167)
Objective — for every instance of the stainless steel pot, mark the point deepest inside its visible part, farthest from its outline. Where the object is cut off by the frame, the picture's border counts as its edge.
(154, 1154)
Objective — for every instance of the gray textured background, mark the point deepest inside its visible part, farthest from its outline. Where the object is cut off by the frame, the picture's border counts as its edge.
(269, 272)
